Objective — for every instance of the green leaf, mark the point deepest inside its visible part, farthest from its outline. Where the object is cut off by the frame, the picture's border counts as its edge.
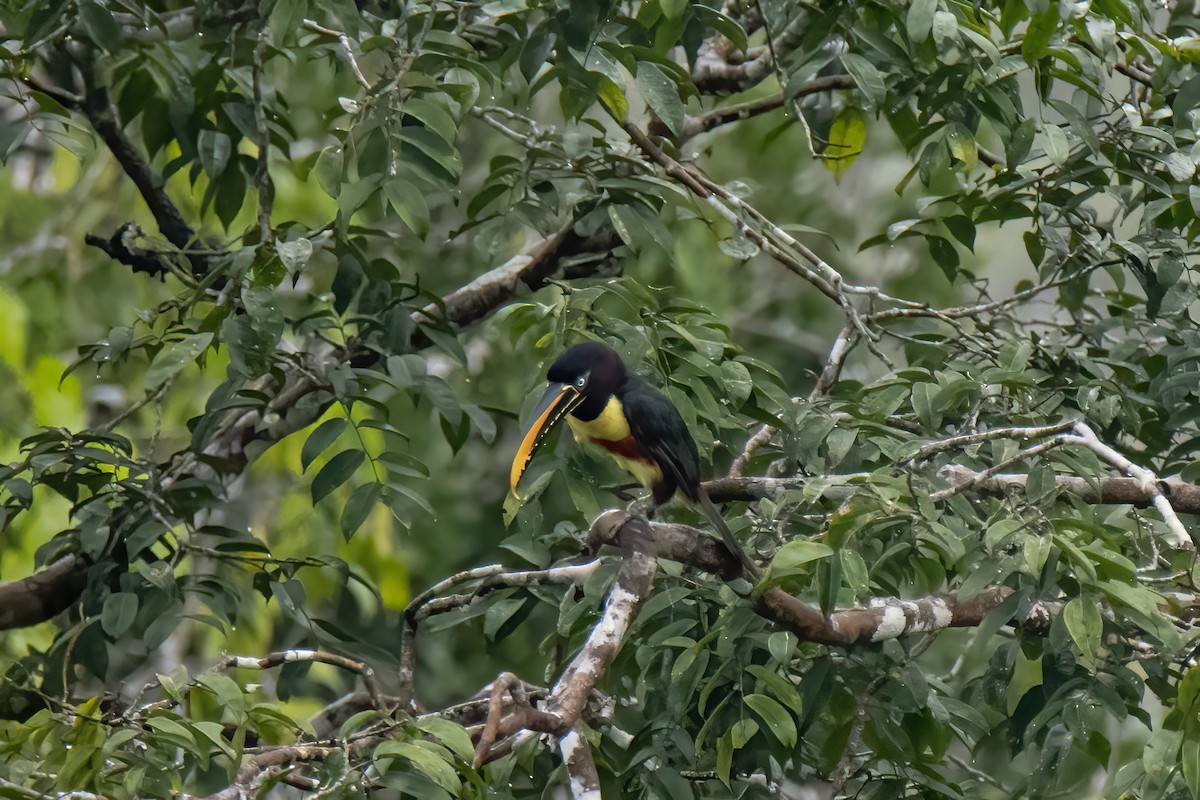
(215, 148)
(451, 734)
(724, 757)
(779, 722)
(944, 255)
(1036, 43)
(919, 21)
(173, 358)
(443, 153)
(432, 116)
(339, 470)
(120, 609)
(611, 96)
(742, 732)
(662, 95)
(500, 613)
(1084, 623)
(252, 337)
(321, 437)
(926, 401)
(868, 79)
(673, 9)
(425, 759)
(328, 170)
(358, 508)
(962, 144)
(799, 552)
(408, 201)
(1058, 149)
(100, 25)
(1190, 756)
(780, 687)
(847, 136)
(735, 377)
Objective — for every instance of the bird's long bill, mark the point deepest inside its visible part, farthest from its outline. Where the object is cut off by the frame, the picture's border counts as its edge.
(556, 402)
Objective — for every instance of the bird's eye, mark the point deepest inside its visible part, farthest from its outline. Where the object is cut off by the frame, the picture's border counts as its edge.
(581, 381)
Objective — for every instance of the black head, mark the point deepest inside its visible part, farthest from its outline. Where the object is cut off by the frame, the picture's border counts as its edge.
(581, 382)
(594, 370)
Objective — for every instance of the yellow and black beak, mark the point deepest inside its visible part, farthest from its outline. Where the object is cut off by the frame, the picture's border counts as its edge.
(556, 403)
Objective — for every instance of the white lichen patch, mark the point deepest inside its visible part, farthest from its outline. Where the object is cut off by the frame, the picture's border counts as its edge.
(940, 613)
(892, 623)
(574, 748)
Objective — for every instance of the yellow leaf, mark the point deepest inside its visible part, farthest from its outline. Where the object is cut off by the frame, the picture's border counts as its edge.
(846, 139)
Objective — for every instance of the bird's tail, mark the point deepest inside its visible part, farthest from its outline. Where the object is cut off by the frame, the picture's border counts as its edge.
(749, 568)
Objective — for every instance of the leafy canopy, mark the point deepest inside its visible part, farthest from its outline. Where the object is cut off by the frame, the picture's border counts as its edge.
(934, 261)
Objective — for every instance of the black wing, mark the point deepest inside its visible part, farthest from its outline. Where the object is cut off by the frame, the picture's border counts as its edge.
(662, 435)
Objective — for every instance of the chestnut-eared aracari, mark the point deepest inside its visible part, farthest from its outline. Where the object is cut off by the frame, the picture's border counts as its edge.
(606, 405)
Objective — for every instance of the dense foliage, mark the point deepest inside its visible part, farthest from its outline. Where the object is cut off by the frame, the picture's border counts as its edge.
(281, 277)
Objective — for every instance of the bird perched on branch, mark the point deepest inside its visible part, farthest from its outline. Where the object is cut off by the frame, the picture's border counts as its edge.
(608, 406)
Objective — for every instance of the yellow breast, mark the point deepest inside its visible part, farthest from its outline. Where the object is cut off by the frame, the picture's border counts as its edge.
(611, 426)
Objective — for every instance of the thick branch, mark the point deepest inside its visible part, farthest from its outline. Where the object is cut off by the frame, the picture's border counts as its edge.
(563, 710)
(584, 780)
(103, 118)
(884, 618)
(497, 286)
(1184, 498)
(42, 595)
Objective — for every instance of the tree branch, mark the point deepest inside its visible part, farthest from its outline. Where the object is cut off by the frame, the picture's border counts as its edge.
(723, 116)
(42, 595)
(1146, 479)
(312, 656)
(584, 780)
(99, 111)
(563, 710)
(1183, 498)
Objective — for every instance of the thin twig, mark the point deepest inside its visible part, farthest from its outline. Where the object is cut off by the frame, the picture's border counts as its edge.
(981, 477)
(969, 439)
(347, 49)
(311, 656)
(262, 176)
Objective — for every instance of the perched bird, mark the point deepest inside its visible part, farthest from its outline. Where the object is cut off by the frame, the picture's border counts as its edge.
(606, 405)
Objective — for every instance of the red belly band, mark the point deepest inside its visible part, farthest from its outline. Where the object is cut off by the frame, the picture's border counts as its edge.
(627, 448)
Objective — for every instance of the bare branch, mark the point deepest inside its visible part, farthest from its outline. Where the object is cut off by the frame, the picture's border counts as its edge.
(724, 116)
(738, 468)
(311, 656)
(583, 778)
(427, 605)
(43, 595)
(1183, 498)
(977, 478)
(497, 286)
(884, 617)
(103, 118)
(978, 437)
(1148, 481)
(563, 710)
(842, 346)
(347, 50)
